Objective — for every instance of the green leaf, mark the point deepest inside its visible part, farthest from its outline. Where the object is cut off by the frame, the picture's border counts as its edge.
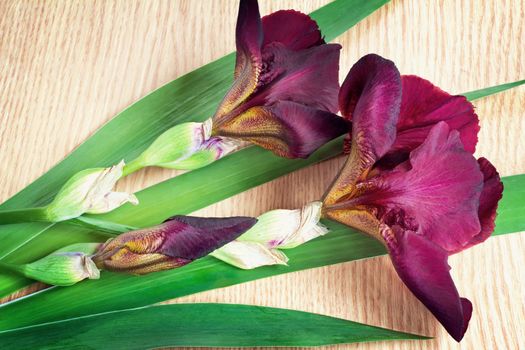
(217, 325)
(192, 97)
(474, 95)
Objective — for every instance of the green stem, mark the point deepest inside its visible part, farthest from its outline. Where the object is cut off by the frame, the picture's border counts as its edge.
(11, 268)
(24, 215)
(40, 214)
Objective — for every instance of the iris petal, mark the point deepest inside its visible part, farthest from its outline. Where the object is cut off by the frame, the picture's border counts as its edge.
(249, 36)
(423, 267)
(440, 200)
(286, 128)
(423, 106)
(309, 76)
(301, 31)
(488, 202)
(370, 96)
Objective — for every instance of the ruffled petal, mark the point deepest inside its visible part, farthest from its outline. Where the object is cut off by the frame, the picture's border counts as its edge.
(249, 37)
(370, 97)
(174, 243)
(423, 267)
(286, 128)
(423, 106)
(438, 196)
(294, 29)
(488, 202)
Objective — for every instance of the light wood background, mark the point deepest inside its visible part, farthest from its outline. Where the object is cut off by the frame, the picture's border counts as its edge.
(66, 67)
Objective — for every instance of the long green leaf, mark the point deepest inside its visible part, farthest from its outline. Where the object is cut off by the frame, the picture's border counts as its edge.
(192, 97)
(474, 95)
(217, 325)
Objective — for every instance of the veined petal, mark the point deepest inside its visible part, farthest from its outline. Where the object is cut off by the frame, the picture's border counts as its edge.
(423, 106)
(423, 267)
(249, 37)
(309, 76)
(249, 255)
(433, 198)
(286, 128)
(294, 29)
(174, 243)
(370, 97)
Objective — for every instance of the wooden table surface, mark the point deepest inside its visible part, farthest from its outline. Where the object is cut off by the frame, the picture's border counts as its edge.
(66, 67)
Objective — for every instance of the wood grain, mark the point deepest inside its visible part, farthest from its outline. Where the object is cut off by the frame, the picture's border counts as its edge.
(66, 67)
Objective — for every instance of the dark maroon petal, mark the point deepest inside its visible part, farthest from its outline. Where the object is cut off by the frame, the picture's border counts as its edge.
(309, 76)
(439, 192)
(286, 128)
(294, 29)
(423, 106)
(249, 37)
(423, 267)
(488, 201)
(370, 97)
(191, 237)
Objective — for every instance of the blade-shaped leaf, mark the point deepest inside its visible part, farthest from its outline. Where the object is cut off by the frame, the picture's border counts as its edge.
(192, 97)
(474, 95)
(217, 325)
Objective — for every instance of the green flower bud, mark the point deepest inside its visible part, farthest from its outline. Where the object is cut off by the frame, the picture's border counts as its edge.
(276, 229)
(89, 191)
(185, 146)
(64, 267)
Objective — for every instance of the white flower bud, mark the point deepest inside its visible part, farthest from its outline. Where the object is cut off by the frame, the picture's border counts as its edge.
(276, 229)
(249, 255)
(89, 191)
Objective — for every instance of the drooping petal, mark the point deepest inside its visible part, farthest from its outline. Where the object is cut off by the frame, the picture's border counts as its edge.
(423, 106)
(423, 267)
(370, 97)
(309, 76)
(294, 29)
(249, 255)
(438, 196)
(488, 202)
(174, 243)
(286, 128)
(249, 37)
